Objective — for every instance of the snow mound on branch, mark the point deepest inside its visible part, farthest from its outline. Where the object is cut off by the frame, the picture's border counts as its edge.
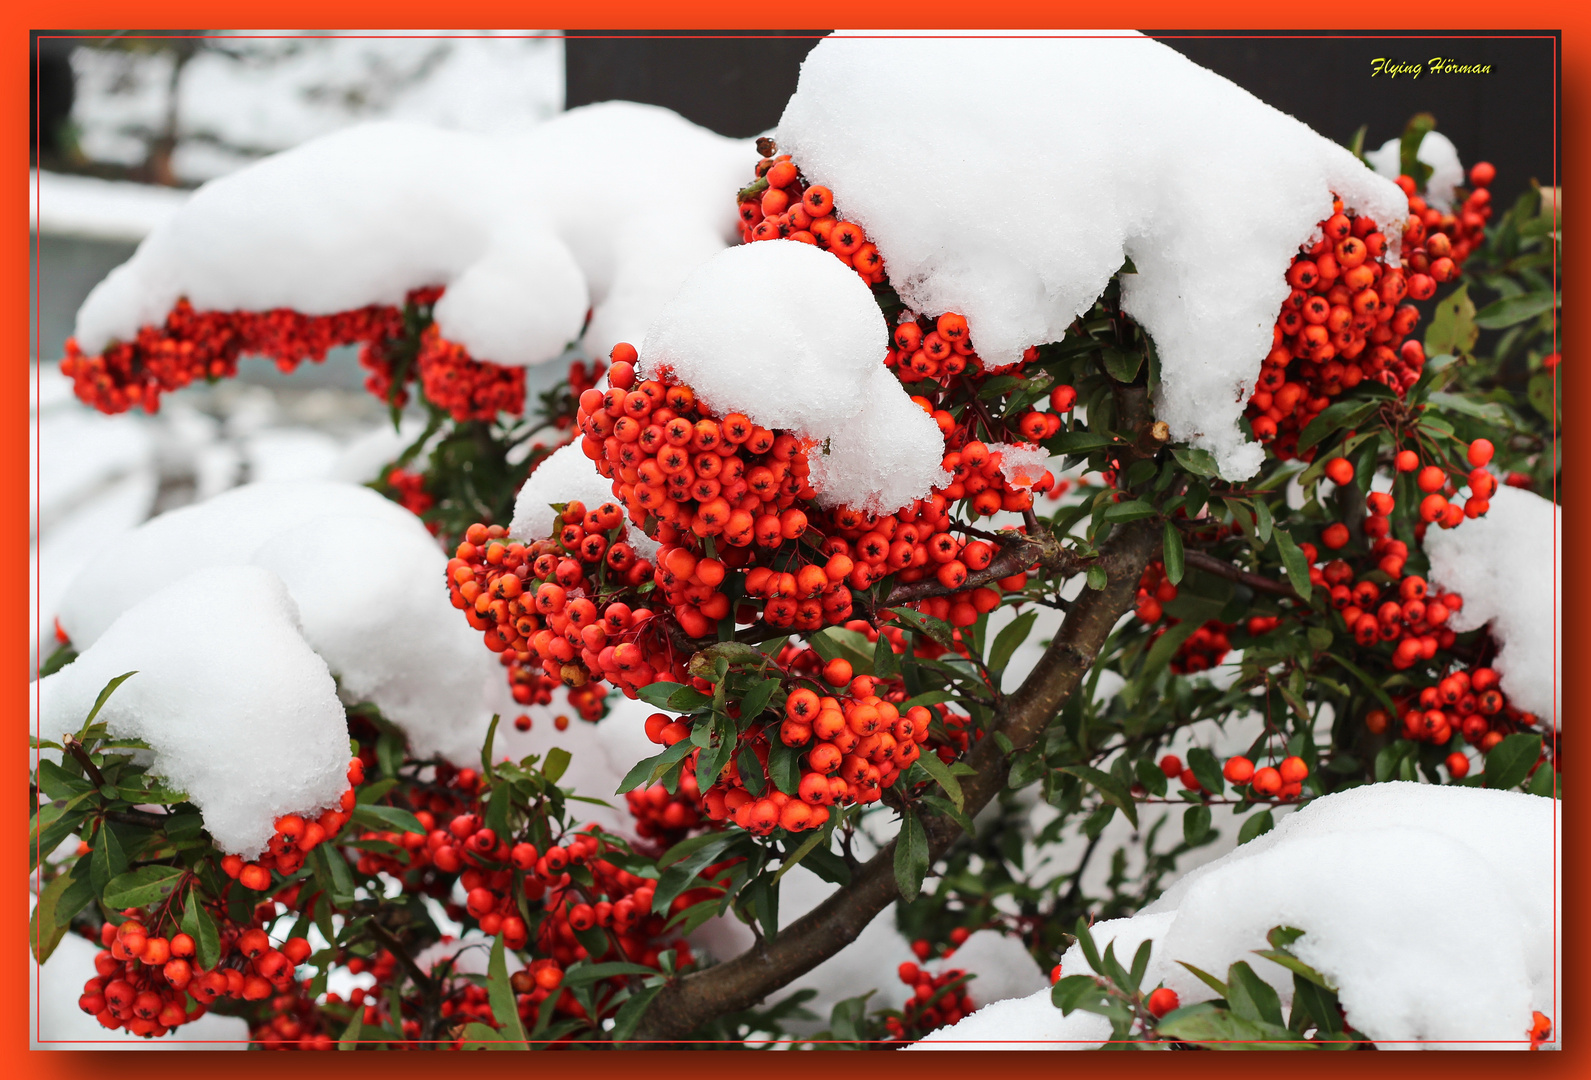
(239, 711)
(792, 338)
(566, 475)
(1022, 465)
(1359, 872)
(1507, 566)
(1008, 179)
(1437, 151)
(370, 585)
(526, 232)
(374, 605)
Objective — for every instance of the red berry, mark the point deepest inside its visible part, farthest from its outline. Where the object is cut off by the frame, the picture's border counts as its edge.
(1238, 770)
(1163, 1001)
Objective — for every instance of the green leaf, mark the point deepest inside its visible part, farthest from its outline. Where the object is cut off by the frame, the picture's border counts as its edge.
(1123, 364)
(1111, 789)
(386, 819)
(1251, 997)
(1296, 966)
(197, 924)
(1544, 783)
(658, 693)
(1171, 553)
(838, 643)
(1077, 442)
(584, 972)
(1452, 328)
(784, 766)
(1206, 978)
(1129, 510)
(940, 772)
(1258, 825)
(818, 836)
(1165, 647)
(104, 696)
(339, 877)
(486, 747)
(1500, 314)
(78, 895)
(1096, 578)
(1294, 562)
(109, 860)
(751, 771)
(629, 1015)
(44, 931)
(1195, 824)
(505, 1009)
(142, 887)
(57, 783)
(1207, 770)
(555, 765)
(1008, 639)
(647, 772)
(1197, 461)
(1369, 683)
(1214, 1028)
(349, 1040)
(1509, 761)
(1342, 414)
(1263, 521)
(1072, 991)
(1318, 1003)
(911, 856)
(757, 698)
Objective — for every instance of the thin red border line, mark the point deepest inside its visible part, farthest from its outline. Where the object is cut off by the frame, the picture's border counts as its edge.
(34, 396)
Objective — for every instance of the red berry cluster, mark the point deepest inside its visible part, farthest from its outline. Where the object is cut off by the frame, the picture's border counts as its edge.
(937, 1001)
(194, 345)
(780, 205)
(1468, 702)
(1285, 780)
(205, 345)
(468, 389)
(1153, 591)
(666, 819)
(539, 605)
(144, 982)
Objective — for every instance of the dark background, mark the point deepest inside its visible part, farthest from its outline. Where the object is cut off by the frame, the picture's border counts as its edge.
(736, 82)
(738, 86)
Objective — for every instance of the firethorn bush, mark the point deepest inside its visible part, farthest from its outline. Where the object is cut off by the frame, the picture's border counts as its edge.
(920, 705)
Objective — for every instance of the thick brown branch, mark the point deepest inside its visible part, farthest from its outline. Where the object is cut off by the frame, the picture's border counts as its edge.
(835, 923)
(1221, 568)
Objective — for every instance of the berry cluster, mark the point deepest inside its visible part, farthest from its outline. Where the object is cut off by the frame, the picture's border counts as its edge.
(294, 839)
(1285, 780)
(1466, 701)
(1344, 320)
(144, 982)
(780, 205)
(937, 1001)
(205, 345)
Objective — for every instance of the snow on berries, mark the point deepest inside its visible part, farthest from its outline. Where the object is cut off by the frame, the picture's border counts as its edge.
(1508, 566)
(247, 722)
(1043, 201)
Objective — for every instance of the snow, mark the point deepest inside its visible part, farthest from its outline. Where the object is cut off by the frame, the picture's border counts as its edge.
(1039, 165)
(565, 476)
(239, 712)
(1362, 872)
(367, 457)
(1021, 464)
(63, 205)
(58, 1024)
(369, 583)
(1002, 965)
(279, 454)
(792, 338)
(1507, 566)
(1437, 151)
(363, 215)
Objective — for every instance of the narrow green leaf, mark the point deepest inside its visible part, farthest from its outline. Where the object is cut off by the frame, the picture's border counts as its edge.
(911, 857)
(1251, 997)
(1171, 552)
(585, 973)
(1342, 414)
(1195, 824)
(756, 699)
(886, 665)
(386, 818)
(1294, 562)
(1009, 639)
(1112, 790)
(1129, 510)
(349, 1040)
(1206, 978)
(505, 1010)
(197, 924)
(646, 772)
(940, 772)
(1503, 313)
(1257, 825)
(486, 747)
(1207, 770)
(104, 696)
(630, 1013)
(1195, 460)
(1263, 521)
(44, 932)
